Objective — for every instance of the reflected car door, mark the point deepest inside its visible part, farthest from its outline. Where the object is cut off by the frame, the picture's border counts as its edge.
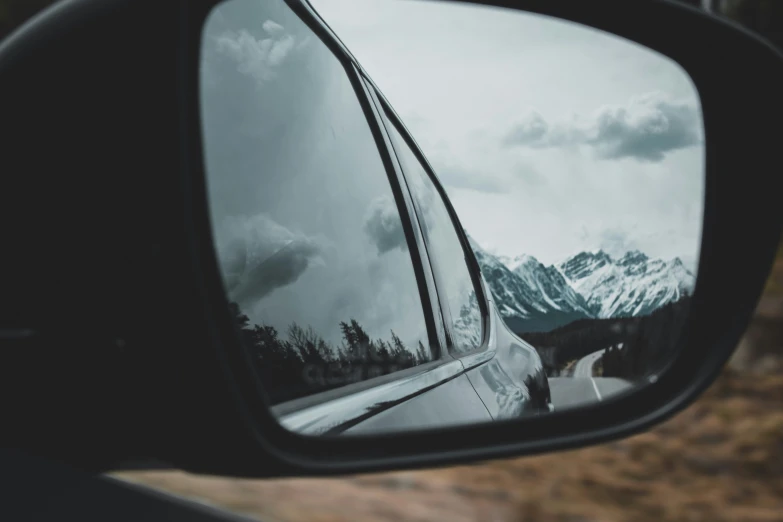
(505, 371)
(453, 400)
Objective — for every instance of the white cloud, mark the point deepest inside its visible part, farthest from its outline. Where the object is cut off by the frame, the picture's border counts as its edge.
(646, 128)
(531, 129)
(272, 28)
(384, 226)
(280, 50)
(258, 255)
(257, 57)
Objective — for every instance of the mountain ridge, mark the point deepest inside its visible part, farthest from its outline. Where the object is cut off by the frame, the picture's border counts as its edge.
(535, 297)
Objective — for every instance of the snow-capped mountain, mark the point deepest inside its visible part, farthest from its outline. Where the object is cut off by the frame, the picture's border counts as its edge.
(531, 296)
(630, 286)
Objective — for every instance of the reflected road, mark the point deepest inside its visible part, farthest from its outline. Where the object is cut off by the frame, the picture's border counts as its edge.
(584, 368)
(583, 389)
(575, 391)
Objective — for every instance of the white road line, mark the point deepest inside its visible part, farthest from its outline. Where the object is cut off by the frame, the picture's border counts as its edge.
(597, 393)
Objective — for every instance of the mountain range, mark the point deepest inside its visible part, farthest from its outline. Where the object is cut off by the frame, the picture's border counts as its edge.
(533, 297)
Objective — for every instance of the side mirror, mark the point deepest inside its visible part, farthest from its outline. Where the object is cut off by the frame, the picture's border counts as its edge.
(275, 272)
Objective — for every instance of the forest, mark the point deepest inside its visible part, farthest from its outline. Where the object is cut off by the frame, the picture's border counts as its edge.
(652, 346)
(303, 363)
(647, 341)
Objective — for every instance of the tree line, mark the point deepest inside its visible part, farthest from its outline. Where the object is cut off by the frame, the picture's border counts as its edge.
(652, 345)
(647, 341)
(302, 362)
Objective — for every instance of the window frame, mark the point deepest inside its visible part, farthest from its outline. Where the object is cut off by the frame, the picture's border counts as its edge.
(390, 116)
(428, 274)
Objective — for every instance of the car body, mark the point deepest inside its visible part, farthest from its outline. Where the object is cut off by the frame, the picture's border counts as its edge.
(487, 385)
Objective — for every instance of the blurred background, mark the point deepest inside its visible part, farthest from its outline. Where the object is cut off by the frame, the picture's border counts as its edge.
(720, 460)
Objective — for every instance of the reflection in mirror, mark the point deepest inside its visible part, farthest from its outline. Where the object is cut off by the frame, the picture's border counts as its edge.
(511, 228)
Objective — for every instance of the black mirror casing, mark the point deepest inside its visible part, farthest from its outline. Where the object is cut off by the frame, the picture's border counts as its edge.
(112, 294)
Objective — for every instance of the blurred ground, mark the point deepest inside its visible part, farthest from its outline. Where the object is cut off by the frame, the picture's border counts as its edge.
(720, 460)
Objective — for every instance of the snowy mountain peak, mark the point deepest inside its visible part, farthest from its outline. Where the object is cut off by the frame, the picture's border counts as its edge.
(531, 297)
(630, 286)
(677, 264)
(525, 261)
(578, 266)
(534, 297)
(632, 257)
(519, 261)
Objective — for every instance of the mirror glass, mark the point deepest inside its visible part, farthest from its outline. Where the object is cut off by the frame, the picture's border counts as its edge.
(501, 220)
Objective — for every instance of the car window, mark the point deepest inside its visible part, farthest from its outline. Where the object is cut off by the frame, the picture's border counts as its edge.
(445, 250)
(310, 241)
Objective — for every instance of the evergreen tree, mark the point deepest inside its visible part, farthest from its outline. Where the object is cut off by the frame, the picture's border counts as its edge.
(381, 353)
(422, 354)
(398, 348)
(362, 342)
(305, 363)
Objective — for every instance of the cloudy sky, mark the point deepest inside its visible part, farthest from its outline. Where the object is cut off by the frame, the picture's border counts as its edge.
(551, 138)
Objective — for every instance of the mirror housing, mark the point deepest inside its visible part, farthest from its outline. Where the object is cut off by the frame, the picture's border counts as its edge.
(112, 294)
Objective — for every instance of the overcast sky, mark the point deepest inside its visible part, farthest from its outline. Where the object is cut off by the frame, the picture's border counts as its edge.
(551, 138)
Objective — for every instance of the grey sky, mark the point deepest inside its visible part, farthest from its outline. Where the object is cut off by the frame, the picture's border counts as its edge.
(550, 137)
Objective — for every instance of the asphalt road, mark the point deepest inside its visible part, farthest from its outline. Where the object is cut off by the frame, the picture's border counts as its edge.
(583, 388)
(584, 367)
(574, 391)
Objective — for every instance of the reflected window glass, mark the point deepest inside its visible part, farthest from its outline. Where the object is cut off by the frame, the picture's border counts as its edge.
(445, 249)
(308, 233)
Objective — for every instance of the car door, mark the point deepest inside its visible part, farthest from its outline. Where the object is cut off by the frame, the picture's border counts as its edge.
(506, 372)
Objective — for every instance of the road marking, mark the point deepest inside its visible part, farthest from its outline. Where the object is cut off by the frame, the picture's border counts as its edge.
(597, 393)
